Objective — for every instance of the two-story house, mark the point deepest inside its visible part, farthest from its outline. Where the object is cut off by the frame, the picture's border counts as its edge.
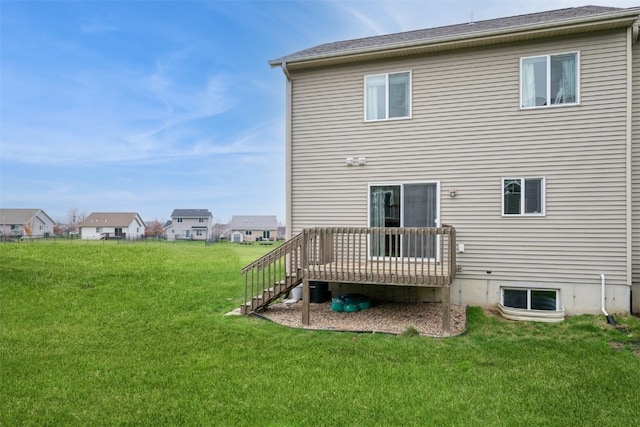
(511, 144)
(189, 224)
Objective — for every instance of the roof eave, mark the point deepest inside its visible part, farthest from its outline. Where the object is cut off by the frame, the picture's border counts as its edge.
(485, 38)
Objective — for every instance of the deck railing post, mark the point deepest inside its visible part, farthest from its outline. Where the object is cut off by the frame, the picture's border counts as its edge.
(326, 243)
(453, 268)
(306, 294)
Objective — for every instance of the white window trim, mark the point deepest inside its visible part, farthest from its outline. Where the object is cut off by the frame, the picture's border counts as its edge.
(522, 213)
(387, 118)
(548, 58)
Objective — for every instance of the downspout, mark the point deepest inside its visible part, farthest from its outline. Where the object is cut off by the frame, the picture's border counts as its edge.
(635, 35)
(288, 151)
(632, 36)
(285, 70)
(610, 319)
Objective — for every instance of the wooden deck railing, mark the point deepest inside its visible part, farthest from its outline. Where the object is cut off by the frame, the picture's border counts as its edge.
(405, 256)
(391, 256)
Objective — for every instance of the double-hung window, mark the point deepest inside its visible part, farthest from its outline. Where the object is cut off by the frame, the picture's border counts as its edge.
(522, 196)
(549, 80)
(387, 96)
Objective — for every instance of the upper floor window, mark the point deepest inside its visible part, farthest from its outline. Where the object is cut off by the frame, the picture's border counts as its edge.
(523, 196)
(179, 219)
(200, 220)
(387, 96)
(549, 80)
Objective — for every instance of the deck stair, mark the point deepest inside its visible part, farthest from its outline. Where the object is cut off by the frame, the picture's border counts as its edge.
(272, 276)
(270, 295)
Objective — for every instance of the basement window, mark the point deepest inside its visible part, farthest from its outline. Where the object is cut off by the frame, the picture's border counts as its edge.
(533, 305)
(530, 299)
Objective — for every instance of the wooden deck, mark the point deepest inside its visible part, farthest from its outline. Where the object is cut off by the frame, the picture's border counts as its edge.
(393, 256)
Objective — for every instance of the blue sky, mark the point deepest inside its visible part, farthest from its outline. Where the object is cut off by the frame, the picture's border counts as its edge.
(146, 106)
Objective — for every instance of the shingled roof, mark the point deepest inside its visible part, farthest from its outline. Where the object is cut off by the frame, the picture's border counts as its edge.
(111, 219)
(576, 16)
(253, 222)
(191, 213)
(20, 216)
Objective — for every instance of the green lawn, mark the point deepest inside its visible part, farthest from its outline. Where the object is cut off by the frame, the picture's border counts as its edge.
(134, 334)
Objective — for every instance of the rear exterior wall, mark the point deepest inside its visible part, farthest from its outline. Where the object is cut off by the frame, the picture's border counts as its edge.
(467, 131)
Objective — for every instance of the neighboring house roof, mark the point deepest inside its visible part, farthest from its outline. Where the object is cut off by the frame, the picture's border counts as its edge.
(191, 213)
(253, 222)
(21, 216)
(111, 219)
(493, 31)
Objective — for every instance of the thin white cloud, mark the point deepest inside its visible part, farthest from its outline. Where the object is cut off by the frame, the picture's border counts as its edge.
(370, 18)
(97, 27)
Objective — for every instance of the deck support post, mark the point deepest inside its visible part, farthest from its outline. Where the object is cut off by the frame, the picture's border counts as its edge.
(446, 316)
(306, 290)
(306, 299)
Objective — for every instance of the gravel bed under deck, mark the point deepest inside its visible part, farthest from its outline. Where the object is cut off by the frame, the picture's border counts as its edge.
(382, 317)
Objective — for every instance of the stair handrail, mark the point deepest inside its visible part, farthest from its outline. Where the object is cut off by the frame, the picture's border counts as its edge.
(280, 265)
(284, 249)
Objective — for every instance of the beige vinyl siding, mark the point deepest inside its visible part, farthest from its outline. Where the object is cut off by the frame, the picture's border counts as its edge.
(467, 131)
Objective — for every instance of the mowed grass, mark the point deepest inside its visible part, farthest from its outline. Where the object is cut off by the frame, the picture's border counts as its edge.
(135, 334)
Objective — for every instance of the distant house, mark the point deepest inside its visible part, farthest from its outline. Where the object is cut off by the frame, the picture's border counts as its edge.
(189, 224)
(253, 228)
(112, 225)
(25, 223)
(167, 227)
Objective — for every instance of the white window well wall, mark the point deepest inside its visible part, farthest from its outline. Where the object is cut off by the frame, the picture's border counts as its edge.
(531, 304)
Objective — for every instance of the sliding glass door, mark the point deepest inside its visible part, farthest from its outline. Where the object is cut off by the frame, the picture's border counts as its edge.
(403, 205)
